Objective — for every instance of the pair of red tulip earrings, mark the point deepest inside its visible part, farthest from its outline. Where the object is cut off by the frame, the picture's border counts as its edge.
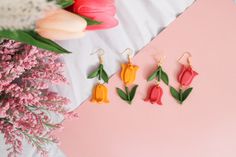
(184, 78)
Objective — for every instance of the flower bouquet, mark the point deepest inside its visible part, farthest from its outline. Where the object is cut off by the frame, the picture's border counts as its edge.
(38, 22)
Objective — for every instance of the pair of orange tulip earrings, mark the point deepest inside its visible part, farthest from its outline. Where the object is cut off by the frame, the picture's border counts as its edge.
(128, 75)
(184, 78)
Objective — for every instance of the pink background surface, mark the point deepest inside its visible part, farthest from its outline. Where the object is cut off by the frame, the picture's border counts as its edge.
(204, 126)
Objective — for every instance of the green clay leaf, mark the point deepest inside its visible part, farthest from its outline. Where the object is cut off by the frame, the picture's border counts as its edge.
(152, 76)
(164, 77)
(174, 93)
(132, 92)
(122, 94)
(32, 38)
(93, 74)
(186, 93)
(65, 3)
(104, 76)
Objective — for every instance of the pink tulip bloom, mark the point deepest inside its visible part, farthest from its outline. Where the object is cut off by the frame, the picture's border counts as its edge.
(186, 75)
(61, 25)
(154, 95)
(99, 10)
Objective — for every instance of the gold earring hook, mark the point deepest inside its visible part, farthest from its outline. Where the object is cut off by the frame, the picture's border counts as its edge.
(129, 52)
(100, 53)
(189, 61)
(159, 59)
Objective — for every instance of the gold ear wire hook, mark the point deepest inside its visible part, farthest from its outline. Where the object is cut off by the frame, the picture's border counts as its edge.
(159, 60)
(129, 53)
(100, 53)
(188, 59)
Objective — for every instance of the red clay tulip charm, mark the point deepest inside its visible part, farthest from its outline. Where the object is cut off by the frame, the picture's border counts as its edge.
(155, 92)
(186, 75)
(185, 78)
(154, 95)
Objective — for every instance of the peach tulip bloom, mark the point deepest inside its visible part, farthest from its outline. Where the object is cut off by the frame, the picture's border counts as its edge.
(61, 25)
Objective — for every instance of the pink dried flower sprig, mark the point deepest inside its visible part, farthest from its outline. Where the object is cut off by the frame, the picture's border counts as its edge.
(26, 73)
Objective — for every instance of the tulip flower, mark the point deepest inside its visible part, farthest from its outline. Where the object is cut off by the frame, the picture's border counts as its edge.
(155, 94)
(128, 73)
(100, 94)
(185, 78)
(186, 75)
(99, 10)
(61, 25)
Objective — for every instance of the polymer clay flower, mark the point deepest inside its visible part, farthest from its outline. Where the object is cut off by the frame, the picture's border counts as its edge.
(186, 75)
(128, 73)
(100, 94)
(154, 95)
(99, 10)
(61, 25)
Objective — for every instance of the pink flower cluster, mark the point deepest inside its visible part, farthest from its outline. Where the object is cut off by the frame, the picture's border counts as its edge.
(26, 101)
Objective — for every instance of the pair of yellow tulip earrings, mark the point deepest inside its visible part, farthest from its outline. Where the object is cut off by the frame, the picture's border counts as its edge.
(128, 75)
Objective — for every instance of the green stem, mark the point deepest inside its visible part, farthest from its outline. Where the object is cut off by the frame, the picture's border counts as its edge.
(127, 92)
(100, 72)
(159, 73)
(180, 96)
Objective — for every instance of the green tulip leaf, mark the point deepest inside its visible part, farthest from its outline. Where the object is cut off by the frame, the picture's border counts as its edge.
(174, 93)
(132, 92)
(104, 76)
(93, 74)
(152, 76)
(164, 77)
(45, 40)
(65, 3)
(122, 94)
(186, 93)
(91, 22)
(32, 38)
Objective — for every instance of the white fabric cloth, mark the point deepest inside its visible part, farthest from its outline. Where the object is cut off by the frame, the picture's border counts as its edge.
(139, 22)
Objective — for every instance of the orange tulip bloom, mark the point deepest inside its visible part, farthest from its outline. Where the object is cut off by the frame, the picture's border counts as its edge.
(128, 73)
(100, 94)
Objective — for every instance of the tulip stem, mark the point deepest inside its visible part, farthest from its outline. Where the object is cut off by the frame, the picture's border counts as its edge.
(180, 96)
(100, 71)
(127, 92)
(159, 73)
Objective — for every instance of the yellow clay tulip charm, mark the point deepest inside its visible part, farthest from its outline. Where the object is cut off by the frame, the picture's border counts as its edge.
(128, 76)
(128, 73)
(100, 94)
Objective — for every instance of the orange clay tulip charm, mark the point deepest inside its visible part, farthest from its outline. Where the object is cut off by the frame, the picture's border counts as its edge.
(100, 94)
(128, 73)
(61, 25)
(128, 76)
(100, 91)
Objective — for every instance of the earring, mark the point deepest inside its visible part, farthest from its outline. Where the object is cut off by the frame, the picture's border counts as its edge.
(100, 91)
(155, 91)
(128, 76)
(185, 78)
